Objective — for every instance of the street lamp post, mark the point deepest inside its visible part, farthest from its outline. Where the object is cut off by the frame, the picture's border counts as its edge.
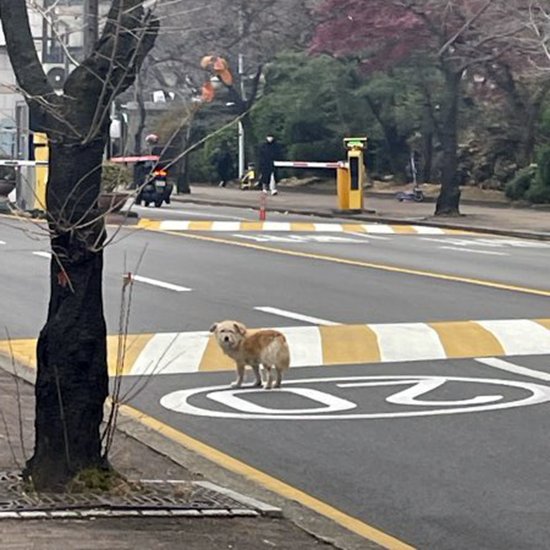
(242, 153)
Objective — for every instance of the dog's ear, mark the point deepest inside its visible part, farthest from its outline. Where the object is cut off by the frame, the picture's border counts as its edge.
(214, 327)
(240, 328)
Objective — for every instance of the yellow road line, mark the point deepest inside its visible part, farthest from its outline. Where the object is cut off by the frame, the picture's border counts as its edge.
(273, 484)
(369, 265)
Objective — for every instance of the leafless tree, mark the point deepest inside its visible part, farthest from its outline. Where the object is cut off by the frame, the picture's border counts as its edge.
(72, 379)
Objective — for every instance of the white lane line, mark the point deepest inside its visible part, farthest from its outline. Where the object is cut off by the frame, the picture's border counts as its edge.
(2, 242)
(368, 237)
(515, 369)
(471, 251)
(297, 316)
(47, 255)
(161, 284)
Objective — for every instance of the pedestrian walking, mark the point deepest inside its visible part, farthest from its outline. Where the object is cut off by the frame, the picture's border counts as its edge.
(224, 164)
(270, 151)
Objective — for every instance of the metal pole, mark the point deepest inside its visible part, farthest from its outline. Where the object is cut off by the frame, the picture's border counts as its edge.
(91, 31)
(242, 152)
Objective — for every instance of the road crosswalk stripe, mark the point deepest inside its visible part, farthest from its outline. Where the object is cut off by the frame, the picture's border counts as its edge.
(187, 352)
(236, 226)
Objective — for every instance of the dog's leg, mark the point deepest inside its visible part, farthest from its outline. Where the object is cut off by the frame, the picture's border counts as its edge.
(278, 377)
(269, 378)
(258, 381)
(240, 375)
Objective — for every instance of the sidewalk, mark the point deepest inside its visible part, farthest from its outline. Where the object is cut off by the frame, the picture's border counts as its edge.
(479, 215)
(138, 462)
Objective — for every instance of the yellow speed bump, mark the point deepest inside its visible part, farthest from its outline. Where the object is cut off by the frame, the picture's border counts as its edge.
(187, 352)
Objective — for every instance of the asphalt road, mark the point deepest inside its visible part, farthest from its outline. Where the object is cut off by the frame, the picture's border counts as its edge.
(438, 480)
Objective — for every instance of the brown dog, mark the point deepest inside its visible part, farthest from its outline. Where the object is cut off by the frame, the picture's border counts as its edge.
(267, 348)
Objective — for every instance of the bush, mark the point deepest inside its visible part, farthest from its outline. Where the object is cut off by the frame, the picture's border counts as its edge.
(115, 176)
(518, 186)
(538, 194)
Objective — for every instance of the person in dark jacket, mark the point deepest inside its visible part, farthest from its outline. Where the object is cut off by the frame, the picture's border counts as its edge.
(223, 160)
(270, 151)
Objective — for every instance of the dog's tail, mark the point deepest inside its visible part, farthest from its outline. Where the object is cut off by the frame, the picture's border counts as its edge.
(283, 353)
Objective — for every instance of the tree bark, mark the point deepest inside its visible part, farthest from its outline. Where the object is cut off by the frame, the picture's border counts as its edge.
(72, 379)
(448, 200)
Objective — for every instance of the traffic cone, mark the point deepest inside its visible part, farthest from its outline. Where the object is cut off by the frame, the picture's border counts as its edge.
(262, 207)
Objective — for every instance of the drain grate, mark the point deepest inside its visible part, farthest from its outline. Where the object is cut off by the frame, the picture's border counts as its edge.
(148, 498)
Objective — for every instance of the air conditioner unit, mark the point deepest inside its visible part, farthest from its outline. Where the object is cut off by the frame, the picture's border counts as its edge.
(56, 74)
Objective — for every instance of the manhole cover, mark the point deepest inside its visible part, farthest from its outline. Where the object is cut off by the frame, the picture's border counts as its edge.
(139, 498)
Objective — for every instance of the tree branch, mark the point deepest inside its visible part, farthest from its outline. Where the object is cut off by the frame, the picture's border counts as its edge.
(24, 59)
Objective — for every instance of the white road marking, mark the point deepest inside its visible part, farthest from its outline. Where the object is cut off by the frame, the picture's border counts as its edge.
(427, 230)
(47, 255)
(408, 342)
(297, 316)
(290, 238)
(208, 215)
(471, 251)
(161, 284)
(181, 401)
(329, 227)
(2, 242)
(369, 237)
(305, 343)
(226, 226)
(171, 353)
(378, 228)
(175, 225)
(516, 369)
(519, 336)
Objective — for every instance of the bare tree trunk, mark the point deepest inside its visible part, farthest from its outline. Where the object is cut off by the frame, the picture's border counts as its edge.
(72, 382)
(448, 200)
(72, 379)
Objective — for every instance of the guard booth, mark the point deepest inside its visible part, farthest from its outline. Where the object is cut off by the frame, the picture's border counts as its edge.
(351, 177)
